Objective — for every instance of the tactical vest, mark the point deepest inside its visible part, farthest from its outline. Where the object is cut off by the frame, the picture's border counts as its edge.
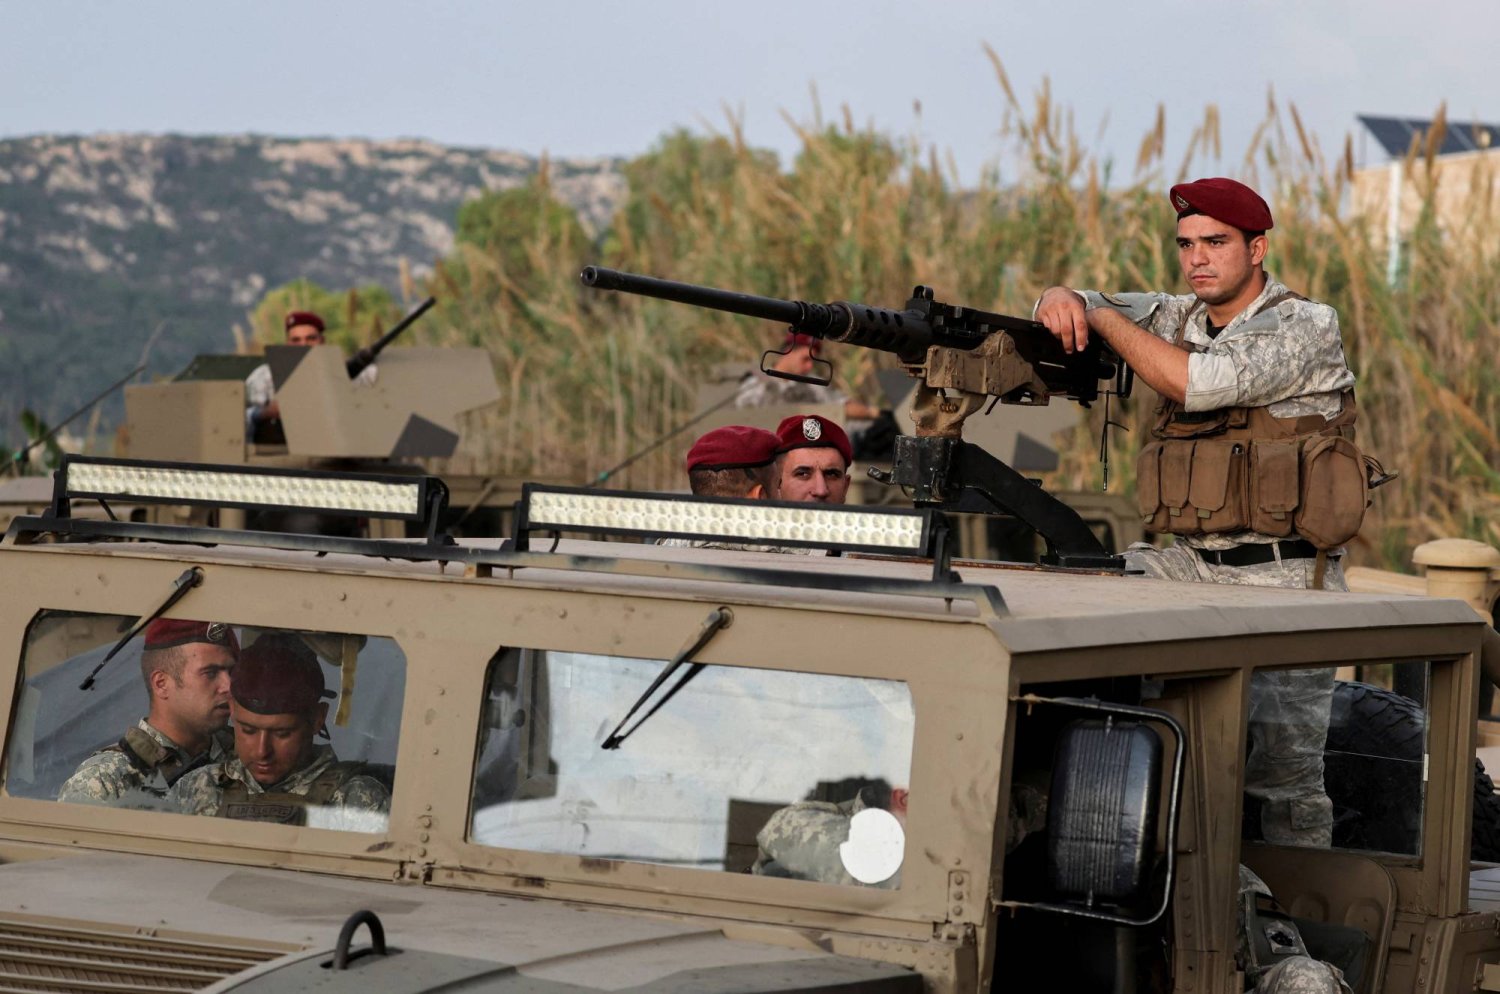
(1241, 469)
(150, 757)
(237, 802)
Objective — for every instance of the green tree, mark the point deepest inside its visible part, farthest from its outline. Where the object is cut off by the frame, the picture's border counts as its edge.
(516, 229)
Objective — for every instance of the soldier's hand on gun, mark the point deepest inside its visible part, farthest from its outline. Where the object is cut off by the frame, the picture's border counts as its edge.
(1062, 311)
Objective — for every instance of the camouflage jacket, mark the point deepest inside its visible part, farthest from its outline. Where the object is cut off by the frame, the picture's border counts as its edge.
(116, 778)
(802, 840)
(761, 390)
(202, 792)
(1289, 359)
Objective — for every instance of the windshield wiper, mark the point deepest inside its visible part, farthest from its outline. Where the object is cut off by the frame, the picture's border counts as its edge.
(189, 579)
(718, 619)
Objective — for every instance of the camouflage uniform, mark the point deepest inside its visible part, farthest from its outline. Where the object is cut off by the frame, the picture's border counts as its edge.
(1291, 975)
(760, 390)
(1290, 360)
(802, 840)
(118, 778)
(338, 795)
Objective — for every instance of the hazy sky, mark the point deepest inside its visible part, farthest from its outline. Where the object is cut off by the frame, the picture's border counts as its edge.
(586, 78)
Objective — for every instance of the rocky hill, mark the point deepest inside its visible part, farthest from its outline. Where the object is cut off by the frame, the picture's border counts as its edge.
(106, 238)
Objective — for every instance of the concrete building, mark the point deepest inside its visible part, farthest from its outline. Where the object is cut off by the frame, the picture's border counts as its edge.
(1459, 175)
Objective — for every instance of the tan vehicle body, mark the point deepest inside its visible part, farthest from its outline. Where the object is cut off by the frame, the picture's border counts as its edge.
(273, 894)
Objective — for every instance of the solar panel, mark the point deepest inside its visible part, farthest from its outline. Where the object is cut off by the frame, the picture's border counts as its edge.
(1395, 133)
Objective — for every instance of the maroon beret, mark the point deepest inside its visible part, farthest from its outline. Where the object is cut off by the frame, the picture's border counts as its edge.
(1224, 200)
(794, 339)
(304, 317)
(277, 674)
(733, 447)
(164, 633)
(811, 431)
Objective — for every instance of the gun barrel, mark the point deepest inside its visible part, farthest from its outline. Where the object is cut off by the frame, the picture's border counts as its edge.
(356, 363)
(906, 333)
(811, 319)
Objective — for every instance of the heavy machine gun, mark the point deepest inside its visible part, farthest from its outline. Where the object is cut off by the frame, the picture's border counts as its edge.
(962, 359)
(356, 363)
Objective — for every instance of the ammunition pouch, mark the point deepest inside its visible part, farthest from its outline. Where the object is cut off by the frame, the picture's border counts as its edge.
(150, 757)
(283, 807)
(1242, 469)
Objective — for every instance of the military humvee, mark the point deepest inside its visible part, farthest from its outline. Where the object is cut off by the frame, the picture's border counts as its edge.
(1036, 774)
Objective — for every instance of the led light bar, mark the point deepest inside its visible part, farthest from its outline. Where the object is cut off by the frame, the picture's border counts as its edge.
(875, 529)
(363, 495)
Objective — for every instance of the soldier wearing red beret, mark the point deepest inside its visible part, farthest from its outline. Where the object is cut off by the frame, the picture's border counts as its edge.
(186, 667)
(733, 461)
(278, 700)
(262, 413)
(1251, 463)
(812, 460)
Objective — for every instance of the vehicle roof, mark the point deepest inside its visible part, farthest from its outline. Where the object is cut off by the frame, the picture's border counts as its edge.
(1042, 609)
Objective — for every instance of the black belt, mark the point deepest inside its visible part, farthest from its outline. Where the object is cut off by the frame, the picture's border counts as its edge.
(1250, 555)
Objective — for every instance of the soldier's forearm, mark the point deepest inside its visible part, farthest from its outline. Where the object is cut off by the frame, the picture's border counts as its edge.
(1161, 364)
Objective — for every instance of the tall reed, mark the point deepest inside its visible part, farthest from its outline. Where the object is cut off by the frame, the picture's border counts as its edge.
(588, 378)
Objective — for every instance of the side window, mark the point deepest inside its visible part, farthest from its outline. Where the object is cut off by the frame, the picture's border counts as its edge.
(1337, 762)
(208, 718)
(796, 775)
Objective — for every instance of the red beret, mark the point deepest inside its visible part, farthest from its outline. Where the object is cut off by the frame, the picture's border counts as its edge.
(733, 447)
(304, 317)
(794, 339)
(277, 674)
(1224, 200)
(164, 633)
(811, 431)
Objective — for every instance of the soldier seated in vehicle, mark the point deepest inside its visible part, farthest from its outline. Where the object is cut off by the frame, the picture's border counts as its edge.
(824, 841)
(280, 774)
(812, 460)
(186, 667)
(733, 461)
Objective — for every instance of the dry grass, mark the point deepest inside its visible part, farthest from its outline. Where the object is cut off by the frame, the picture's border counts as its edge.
(587, 378)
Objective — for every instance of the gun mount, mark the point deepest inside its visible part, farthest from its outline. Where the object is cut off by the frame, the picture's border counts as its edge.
(963, 359)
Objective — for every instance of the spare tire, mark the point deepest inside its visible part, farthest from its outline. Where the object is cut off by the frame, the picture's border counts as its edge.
(1485, 842)
(1372, 768)
(1373, 774)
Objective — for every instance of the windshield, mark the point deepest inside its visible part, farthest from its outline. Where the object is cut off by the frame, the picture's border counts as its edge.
(209, 718)
(797, 775)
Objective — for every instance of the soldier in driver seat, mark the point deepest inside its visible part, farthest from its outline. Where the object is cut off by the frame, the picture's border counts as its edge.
(280, 773)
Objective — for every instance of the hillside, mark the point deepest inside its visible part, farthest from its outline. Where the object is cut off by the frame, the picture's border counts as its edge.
(105, 238)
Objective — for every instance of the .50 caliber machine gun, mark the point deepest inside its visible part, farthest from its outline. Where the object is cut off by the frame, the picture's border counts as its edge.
(962, 358)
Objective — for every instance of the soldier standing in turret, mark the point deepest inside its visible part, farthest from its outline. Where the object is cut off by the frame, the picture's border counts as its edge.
(262, 413)
(186, 667)
(1252, 463)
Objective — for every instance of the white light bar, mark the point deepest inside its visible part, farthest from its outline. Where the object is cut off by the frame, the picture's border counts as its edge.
(814, 524)
(250, 489)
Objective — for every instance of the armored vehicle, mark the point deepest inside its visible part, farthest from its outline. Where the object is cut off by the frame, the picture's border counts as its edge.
(625, 766)
(409, 417)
